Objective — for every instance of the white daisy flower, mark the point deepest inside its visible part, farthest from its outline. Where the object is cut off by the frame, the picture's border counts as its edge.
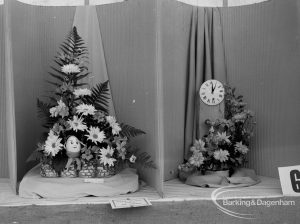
(223, 137)
(221, 155)
(106, 156)
(82, 92)
(85, 109)
(116, 129)
(95, 135)
(70, 68)
(77, 124)
(113, 124)
(198, 146)
(53, 144)
(132, 158)
(196, 159)
(241, 148)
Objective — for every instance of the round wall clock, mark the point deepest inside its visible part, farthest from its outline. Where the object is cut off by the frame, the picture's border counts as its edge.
(212, 92)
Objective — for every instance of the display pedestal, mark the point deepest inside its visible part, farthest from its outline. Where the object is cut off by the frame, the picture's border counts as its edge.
(35, 186)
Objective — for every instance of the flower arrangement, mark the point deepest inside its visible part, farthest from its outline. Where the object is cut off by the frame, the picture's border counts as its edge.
(227, 142)
(80, 132)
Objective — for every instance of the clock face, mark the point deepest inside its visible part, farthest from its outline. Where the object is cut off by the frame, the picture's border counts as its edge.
(212, 92)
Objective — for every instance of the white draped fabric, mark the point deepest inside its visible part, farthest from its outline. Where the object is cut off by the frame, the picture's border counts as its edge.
(68, 2)
(87, 24)
(220, 3)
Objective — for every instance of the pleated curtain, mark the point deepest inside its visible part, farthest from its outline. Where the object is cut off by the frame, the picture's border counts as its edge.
(206, 60)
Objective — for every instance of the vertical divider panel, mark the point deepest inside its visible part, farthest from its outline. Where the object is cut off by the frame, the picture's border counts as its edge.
(10, 101)
(159, 98)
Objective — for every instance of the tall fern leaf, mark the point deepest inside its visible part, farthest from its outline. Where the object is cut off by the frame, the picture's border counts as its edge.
(99, 97)
(129, 131)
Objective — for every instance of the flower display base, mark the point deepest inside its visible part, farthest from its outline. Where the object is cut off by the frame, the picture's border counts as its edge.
(241, 177)
(47, 171)
(105, 171)
(88, 170)
(220, 173)
(35, 186)
(184, 173)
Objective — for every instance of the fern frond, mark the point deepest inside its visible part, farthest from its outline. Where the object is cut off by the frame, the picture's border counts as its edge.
(44, 113)
(43, 108)
(144, 161)
(129, 131)
(99, 97)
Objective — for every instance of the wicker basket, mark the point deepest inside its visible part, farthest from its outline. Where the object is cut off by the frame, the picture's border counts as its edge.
(105, 171)
(71, 172)
(88, 170)
(48, 171)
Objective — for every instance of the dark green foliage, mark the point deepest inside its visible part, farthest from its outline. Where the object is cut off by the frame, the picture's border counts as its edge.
(143, 159)
(129, 131)
(73, 51)
(43, 112)
(35, 156)
(99, 97)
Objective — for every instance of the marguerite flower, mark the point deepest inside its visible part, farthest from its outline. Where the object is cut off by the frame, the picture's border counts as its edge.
(70, 68)
(95, 135)
(77, 124)
(85, 109)
(196, 159)
(113, 124)
(132, 158)
(52, 144)
(223, 137)
(61, 109)
(106, 156)
(116, 129)
(241, 148)
(198, 146)
(82, 92)
(221, 155)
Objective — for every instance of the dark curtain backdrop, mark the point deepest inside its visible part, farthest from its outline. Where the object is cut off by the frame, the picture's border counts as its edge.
(206, 60)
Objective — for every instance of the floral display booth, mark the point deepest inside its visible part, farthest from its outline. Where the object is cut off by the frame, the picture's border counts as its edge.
(109, 99)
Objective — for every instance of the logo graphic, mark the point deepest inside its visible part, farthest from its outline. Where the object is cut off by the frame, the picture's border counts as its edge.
(214, 196)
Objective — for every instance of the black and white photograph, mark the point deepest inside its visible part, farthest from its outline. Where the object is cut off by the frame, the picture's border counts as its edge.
(149, 111)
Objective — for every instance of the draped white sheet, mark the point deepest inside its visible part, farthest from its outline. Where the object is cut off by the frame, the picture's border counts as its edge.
(35, 186)
(68, 2)
(220, 3)
(87, 24)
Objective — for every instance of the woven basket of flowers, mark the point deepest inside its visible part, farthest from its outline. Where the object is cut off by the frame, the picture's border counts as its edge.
(82, 138)
(71, 171)
(47, 170)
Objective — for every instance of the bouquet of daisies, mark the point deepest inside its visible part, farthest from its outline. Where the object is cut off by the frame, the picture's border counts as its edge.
(227, 142)
(78, 116)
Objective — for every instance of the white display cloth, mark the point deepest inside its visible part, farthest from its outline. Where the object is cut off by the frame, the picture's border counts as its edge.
(35, 186)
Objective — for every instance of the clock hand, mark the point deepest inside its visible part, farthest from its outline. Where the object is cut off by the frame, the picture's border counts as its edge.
(213, 88)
